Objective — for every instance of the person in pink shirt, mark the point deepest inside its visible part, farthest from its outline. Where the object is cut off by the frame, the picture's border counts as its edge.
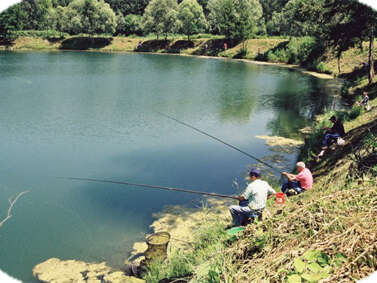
(301, 182)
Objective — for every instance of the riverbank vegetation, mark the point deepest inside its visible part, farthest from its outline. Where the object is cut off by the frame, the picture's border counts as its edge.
(327, 233)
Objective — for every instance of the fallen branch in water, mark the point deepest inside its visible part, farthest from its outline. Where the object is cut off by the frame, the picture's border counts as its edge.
(12, 203)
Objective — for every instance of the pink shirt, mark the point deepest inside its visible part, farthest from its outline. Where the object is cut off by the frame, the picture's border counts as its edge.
(305, 178)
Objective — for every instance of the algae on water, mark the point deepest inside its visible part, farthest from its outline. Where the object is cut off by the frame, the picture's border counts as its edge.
(281, 144)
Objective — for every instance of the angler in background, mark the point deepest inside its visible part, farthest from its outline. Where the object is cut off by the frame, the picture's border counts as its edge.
(364, 102)
(299, 183)
(333, 133)
(252, 201)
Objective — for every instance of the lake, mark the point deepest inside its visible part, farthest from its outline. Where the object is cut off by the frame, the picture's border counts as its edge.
(96, 115)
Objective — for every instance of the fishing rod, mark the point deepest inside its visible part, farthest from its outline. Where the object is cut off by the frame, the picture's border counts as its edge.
(217, 139)
(150, 186)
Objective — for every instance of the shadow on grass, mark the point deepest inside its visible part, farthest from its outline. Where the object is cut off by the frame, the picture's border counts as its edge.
(55, 39)
(180, 45)
(176, 280)
(278, 48)
(358, 73)
(153, 45)
(85, 43)
(241, 54)
(165, 45)
(7, 42)
(213, 47)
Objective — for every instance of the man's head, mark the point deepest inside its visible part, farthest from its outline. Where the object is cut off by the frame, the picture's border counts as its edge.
(333, 119)
(254, 173)
(365, 93)
(300, 166)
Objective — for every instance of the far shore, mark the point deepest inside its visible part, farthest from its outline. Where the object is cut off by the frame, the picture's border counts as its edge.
(128, 45)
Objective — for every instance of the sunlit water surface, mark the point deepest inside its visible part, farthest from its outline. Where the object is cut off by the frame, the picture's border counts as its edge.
(95, 115)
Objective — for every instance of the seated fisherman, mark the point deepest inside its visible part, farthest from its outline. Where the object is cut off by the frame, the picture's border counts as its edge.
(256, 194)
(301, 182)
(336, 131)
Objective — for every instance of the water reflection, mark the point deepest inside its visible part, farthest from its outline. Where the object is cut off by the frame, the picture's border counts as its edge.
(236, 106)
(94, 115)
(297, 101)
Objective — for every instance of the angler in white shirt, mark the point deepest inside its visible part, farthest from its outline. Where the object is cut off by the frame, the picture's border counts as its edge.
(252, 201)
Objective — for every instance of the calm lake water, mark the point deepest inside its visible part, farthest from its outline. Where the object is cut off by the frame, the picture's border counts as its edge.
(94, 115)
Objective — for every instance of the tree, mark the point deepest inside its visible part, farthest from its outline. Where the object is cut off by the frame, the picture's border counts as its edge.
(88, 16)
(130, 24)
(160, 17)
(12, 19)
(297, 18)
(347, 23)
(36, 11)
(367, 18)
(271, 6)
(190, 18)
(249, 14)
(56, 18)
(70, 20)
(204, 4)
(62, 3)
(127, 7)
(236, 19)
(219, 11)
(371, 72)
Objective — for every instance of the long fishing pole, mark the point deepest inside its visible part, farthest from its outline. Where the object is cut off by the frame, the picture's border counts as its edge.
(151, 186)
(217, 139)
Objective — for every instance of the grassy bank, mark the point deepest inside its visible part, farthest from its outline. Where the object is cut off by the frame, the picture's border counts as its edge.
(328, 233)
(300, 51)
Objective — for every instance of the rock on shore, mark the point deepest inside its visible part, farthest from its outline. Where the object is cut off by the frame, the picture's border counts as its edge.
(55, 270)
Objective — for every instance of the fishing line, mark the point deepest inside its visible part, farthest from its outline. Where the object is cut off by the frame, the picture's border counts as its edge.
(149, 186)
(219, 140)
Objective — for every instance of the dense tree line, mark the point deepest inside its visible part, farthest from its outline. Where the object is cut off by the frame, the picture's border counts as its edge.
(333, 24)
(236, 19)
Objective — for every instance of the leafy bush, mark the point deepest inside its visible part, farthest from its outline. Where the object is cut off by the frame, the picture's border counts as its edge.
(355, 112)
(130, 24)
(242, 53)
(321, 68)
(313, 266)
(271, 57)
(345, 88)
(298, 50)
(283, 55)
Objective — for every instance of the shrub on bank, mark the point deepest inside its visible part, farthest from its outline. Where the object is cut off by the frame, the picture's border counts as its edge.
(206, 253)
(298, 50)
(322, 68)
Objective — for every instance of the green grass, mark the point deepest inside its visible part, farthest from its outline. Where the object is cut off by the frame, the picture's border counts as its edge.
(210, 243)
